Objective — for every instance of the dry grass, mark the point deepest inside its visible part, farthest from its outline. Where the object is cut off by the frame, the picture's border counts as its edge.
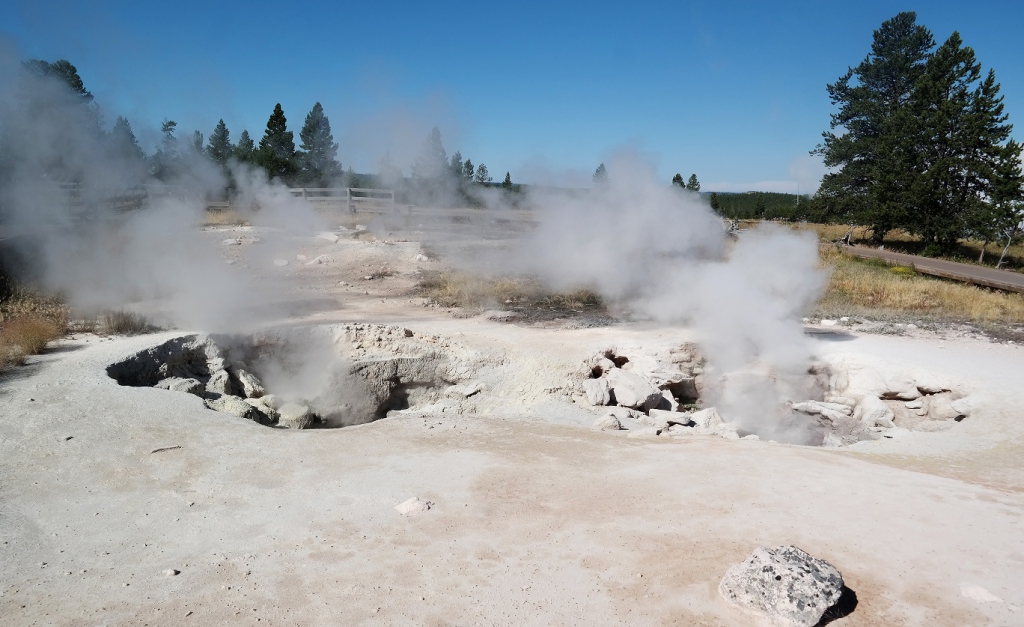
(224, 217)
(28, 322)
(524, 294)
(871, 287)
(122, 322)
(967, 251)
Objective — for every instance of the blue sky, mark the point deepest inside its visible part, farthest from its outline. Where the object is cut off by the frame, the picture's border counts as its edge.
(733, 91)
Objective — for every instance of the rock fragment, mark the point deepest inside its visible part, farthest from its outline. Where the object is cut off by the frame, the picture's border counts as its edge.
(237, 407)
(707, 418)
(607, 422)
(251, 386)
(597, 391)
(179, 384)
(873, 412)
(294, 416)
(783, 584)
(413, 506)
(634, 390)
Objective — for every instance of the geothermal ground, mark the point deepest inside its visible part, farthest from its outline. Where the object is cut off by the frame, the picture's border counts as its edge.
(130, 505)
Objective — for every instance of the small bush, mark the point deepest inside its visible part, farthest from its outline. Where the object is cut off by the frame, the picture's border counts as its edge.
(123, 322)
(29, 335)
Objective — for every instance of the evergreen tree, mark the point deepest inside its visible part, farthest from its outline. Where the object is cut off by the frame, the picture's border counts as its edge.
(277, 148)
(64, 71)
(197, 143)
(961, 160)
(600, 175)
(716, 206)
(678, 180)
(219, 148)
(319, 161)
(123, 144)
(482, 176)
(759, 207)
(468, 170)
(166, 160)
(692, 184)
(456, 166)
(507, 183)
(433, 160)
(864, 185)
(245, 151)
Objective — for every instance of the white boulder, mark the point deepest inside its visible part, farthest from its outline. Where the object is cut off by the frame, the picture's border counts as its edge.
(327, 236)
(597, 391)
(251, 386)
(294, 416)
(707, 418)
(634, 390)
(873, 412)
(784, 584)
(607, 422)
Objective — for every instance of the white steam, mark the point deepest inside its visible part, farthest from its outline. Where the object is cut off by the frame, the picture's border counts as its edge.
(660, 250)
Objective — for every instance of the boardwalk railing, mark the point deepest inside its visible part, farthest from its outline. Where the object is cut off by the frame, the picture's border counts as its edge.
(353, 197)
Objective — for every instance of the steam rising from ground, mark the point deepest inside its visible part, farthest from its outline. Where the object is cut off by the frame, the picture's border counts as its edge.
(661, 251)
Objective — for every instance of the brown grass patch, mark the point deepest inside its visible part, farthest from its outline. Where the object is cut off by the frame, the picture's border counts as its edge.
(122, 322)
(872, 287)
(524, 294)
(224, 217)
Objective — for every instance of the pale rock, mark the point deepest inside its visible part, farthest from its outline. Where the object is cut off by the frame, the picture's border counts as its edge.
(272, 400)
(901, 387)
(605, 365)
(294, 416)
(597, 391)
(668, 402)
(329, 237)
(873, 412)
(422, 257)
(832, 411)
(178, 384)
(624, 413)
(670, 417)
(500, 316)
(861, 381)
(251, 386)
(840, 400)
(784, 584)
(360, 227)
(932, 426)
(633, 390)
(220, 383)
(413, 506)
(829, 323)
(280, 263)
(644, 432)
(727, 431)
(707, 418)
(930, 384)
(751, 436)
(965, 406)
(680, 430)
(368, 277)
(261, 405)
(941, 407)
(232, 242)
(832, 440)
(237, 407)
(319, 259)
(607, 422)
(915, 404)
(979, 594)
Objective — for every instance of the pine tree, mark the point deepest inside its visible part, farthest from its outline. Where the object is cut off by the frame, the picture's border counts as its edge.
(468, 170)
(319, 161)
(678, 180)
(507, 183)
(277, 148)
(123, 143)
(759, 207)
(716, 206)
(433, 160)
(197, 143)
(692, 184)
(166, 160)
(219, 148)
(960, 153)
(865, 136)
(600, 175)
(482, 176)
(245, 151)
(456, 166)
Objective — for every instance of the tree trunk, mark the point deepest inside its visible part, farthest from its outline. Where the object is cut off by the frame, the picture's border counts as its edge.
(981, 257)
(1009, 240)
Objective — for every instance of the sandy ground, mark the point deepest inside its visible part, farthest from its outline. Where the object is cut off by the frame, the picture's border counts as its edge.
(535, 521)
